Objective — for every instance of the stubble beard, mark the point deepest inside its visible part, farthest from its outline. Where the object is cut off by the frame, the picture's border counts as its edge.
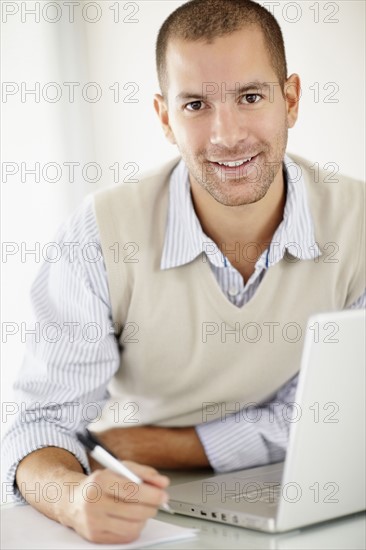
(252, 183)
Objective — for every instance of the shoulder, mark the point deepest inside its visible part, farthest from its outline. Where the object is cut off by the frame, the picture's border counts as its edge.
(80, 226)
(337, 206)
(133, 212)
(152, 181)
(331, 194)
(329, 180)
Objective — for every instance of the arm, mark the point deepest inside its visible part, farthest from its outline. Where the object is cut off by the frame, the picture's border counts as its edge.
(99, 507)
(233, 442)
(40, 451)
(166, 448)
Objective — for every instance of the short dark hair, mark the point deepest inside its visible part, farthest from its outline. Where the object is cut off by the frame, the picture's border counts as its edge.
(205, 20)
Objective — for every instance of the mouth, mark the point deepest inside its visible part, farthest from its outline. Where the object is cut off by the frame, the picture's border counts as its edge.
(234, 166)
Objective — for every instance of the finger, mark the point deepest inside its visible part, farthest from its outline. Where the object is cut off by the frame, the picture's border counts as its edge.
(128, 512)
(147, 473)
(130, 493)
(121, 489)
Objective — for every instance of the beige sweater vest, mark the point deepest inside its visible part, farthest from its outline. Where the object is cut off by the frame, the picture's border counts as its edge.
(189, 355)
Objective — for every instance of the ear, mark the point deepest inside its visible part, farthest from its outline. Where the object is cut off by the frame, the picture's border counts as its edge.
(161, 109)
(292, 92)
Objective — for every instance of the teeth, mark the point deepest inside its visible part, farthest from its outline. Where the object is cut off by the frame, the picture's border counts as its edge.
(235, 163)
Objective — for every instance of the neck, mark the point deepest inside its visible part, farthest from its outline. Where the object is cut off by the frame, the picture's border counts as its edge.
(251, 223)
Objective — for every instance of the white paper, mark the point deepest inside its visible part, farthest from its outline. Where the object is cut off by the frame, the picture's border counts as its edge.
(23, 527)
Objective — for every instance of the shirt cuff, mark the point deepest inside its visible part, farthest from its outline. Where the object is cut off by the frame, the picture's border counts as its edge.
(235, 443)
(21, 441)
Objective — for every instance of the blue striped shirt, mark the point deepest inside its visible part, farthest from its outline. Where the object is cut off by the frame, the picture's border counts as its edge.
(62, 384)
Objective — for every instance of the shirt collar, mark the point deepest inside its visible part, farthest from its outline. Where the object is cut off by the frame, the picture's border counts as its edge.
(185, 238)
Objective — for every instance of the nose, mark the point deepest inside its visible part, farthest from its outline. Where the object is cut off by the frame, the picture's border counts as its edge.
(229, 127)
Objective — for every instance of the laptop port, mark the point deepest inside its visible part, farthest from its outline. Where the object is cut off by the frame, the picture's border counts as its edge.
(235, 519)
(223, 517)
(213, 514)
(203, 513)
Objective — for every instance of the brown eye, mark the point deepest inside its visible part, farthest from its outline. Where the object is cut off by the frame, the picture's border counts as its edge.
(195, 105)
(251, 98)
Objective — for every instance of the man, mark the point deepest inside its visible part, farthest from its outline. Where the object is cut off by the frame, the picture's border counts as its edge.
(202, 263)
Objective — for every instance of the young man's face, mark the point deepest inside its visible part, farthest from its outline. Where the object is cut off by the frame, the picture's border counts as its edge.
(211, 119)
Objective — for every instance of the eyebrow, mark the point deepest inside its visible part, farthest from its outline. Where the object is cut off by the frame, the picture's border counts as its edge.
(240, 90)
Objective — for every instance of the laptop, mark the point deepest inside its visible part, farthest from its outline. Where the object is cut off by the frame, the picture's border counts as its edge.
(323, 475)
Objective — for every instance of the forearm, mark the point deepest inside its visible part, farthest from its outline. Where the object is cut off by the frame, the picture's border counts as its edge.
(90, 504)
(47, 478)
(170, 448)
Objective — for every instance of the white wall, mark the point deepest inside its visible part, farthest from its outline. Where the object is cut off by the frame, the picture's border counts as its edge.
(35, 130)
(322, 53)
(106, 132)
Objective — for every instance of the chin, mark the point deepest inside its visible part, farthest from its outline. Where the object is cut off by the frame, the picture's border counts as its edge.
(237, 200)
(239, 195)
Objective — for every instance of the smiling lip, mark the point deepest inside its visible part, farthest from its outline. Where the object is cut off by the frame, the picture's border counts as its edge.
(233, 160)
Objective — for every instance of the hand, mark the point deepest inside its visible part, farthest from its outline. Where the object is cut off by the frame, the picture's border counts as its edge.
(108, 508)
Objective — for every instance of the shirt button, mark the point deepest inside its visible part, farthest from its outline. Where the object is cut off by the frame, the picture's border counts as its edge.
(233, 291)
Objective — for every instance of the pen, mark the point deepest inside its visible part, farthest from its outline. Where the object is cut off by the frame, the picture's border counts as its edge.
(109, 460)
